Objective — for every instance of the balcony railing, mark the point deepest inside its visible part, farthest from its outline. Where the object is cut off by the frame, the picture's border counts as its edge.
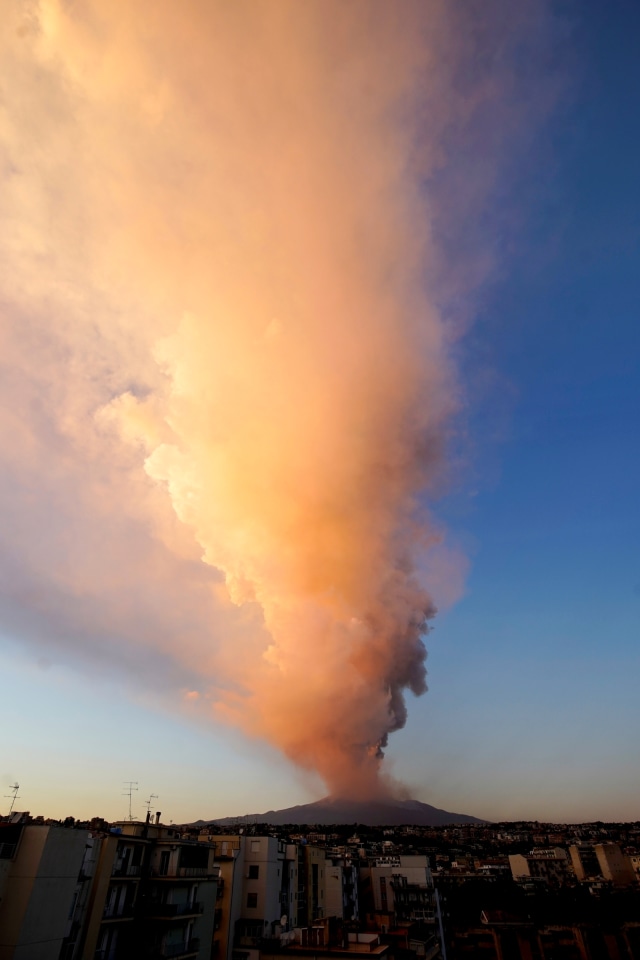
(125, 870)
(183, 873)
(169, 910)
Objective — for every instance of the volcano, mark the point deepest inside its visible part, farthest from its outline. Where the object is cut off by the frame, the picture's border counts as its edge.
(371, 813)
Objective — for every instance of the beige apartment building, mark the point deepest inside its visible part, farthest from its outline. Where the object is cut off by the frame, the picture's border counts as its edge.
(228, 857)
(39, 885)
(605, 861)
(140, 890)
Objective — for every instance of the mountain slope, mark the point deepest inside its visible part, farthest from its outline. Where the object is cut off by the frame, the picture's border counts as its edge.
(372, 813)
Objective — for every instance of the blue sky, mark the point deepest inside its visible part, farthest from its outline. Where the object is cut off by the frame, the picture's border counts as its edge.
(533, 707)
(541, 656)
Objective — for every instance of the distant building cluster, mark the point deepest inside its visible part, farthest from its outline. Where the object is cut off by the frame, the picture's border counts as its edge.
(129, 890)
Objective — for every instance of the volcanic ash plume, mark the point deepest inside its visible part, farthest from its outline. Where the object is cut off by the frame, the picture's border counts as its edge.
(218, 280)
(308, 384)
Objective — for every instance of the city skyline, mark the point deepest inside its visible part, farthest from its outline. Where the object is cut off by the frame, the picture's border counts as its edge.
(108, 648)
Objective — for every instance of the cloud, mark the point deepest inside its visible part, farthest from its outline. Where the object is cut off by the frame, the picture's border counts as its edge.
(227, 362)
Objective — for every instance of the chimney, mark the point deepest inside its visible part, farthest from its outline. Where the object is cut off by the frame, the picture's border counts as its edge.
(158, 815)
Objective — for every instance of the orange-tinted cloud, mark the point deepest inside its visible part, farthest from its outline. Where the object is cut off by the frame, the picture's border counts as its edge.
(224, 337)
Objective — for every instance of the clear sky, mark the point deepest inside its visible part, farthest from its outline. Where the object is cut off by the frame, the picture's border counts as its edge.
(532, 709)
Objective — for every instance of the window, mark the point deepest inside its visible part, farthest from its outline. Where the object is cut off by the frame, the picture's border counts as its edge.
(194, 856)
(254, 871)
(252, 900)
(255, 846)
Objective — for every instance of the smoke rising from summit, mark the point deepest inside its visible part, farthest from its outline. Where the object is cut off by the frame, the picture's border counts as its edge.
(225, 343)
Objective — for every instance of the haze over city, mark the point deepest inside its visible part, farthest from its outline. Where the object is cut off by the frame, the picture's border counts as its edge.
(319, 388)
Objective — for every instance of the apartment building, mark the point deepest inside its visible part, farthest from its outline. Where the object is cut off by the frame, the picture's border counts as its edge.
(178, 902)
(258, 894)
(139, 890)
(604, 861)
(341, 889)
(40, 868)
(311, 884)
(551, 866)
(229, 854)
(272, 890)
(399, 890)
(103, 922)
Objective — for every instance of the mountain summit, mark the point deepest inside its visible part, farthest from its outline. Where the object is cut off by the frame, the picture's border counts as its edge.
(372, 813)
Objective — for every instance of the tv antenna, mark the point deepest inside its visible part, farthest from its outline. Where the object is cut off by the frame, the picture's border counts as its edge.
(13, 795)
(132, 787)
(148, 803)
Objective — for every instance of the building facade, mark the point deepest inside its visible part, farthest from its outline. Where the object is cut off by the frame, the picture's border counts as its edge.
(40, 867)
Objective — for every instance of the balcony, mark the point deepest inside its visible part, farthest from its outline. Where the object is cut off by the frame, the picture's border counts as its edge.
(125, 870)
(184, 873)
(169, 911)
(122, 912)
(226, 849)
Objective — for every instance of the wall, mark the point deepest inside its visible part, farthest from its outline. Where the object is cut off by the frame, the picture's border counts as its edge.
(39, 895)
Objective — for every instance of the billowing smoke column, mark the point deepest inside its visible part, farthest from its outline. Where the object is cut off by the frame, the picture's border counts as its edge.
(220, 288)
(296, 456)
(307, 382)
